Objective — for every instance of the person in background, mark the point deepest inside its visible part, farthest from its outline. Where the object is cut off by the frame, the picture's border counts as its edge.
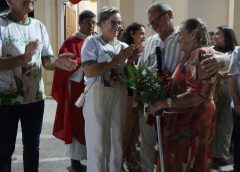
(225, 42)
(24, 49)
(67, 87)
(234, 72)
(189, 114)
(160, 17)
(211, 38)
(104, 58)
(134, 34)
(121, 31)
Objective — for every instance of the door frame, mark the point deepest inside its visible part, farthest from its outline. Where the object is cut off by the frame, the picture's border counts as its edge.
(60, 13)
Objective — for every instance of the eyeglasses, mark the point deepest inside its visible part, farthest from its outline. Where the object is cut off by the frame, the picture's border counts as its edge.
(155, 23)
(115, 24)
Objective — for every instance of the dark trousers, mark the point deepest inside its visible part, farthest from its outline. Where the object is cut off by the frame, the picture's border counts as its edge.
(236, 141)
(30, 116)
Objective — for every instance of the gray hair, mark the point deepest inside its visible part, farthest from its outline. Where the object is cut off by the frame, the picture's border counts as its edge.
(158, 6)
(105, 13)
(196, 24)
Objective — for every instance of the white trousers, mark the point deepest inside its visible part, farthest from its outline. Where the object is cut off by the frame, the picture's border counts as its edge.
(76, 150)
(147, 143)
(104, 111)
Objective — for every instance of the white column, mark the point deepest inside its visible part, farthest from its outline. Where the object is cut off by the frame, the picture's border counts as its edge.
(234, 15)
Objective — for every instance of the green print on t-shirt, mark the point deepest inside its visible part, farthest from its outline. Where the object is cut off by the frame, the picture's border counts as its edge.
(22, 40)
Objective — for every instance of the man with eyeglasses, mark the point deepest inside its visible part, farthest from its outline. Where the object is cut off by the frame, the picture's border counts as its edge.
(67, 87)
(160, 16)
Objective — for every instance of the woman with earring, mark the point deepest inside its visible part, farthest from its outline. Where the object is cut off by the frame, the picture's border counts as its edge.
(224, 42)
(134, 34)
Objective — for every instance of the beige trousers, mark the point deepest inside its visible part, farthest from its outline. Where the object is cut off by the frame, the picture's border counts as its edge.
(224, 124)
(131, 136)
(104, 111)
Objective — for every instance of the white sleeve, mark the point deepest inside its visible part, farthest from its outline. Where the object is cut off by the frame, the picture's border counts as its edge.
(148, 57)
(89, 51)
(47, 49)
(234, 67)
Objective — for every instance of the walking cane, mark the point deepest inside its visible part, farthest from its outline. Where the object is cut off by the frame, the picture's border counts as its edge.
(159, 135)
(158, 114)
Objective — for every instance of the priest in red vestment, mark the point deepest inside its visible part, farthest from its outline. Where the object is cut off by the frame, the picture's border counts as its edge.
(67, 87)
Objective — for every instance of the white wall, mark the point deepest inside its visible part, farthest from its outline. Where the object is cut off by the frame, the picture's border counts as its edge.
(87, 5)
(180, 10)
(135, 11)
(213, 12)
(236, 21)
(43, 9)
(140, 15)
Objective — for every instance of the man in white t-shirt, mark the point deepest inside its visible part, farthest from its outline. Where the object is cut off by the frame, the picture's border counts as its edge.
(24, 48)
(234, 72)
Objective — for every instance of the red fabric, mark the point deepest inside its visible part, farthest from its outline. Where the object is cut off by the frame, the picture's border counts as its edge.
(69, 121)
(74, 1)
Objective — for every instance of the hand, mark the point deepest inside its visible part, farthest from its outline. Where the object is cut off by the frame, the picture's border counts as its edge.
(30, 49)
(211, 64)
(65, 62)
(154, 107)
(122, 55)
(136, 51)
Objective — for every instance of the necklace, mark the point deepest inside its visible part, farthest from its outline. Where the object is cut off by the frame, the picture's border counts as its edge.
(113, 44)
(115, 47)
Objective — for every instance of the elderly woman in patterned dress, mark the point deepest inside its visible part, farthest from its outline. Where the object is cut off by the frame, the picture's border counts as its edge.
(189, 115)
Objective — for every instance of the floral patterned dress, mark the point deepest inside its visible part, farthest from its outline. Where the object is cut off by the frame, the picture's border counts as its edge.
(188, 132)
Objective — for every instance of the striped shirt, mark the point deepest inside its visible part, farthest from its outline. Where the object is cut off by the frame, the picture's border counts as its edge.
(170, 47)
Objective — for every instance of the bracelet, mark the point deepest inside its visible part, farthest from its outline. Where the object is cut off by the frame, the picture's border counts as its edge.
(169, 102)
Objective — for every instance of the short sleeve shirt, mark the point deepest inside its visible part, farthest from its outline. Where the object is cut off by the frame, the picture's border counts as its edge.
(96, 50)
(23, 84)
(170, 48)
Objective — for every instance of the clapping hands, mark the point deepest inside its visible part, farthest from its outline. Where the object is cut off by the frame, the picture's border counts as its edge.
(135, 53)
(65, 62)
(30, 49)
(130, 53)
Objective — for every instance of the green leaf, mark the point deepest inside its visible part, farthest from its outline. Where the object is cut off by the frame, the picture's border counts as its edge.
(146, 84)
